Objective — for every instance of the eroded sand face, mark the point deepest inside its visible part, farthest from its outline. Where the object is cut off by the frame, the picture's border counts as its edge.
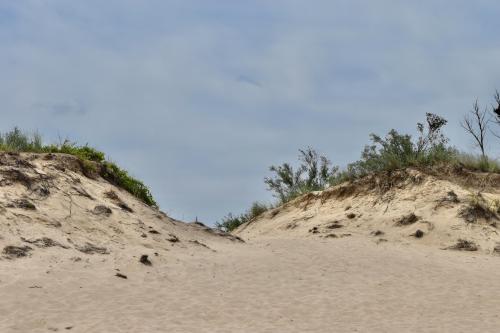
(416, 208)
(273, 285)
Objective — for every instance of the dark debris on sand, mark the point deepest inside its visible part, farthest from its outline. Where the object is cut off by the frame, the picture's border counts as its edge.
(463, 245)
(145, 260)
(13, 252)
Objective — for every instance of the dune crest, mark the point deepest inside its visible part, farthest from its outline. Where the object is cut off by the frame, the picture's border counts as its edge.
(446, 209)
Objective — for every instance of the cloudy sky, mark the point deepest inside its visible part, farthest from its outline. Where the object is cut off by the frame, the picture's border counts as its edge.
(198, 98)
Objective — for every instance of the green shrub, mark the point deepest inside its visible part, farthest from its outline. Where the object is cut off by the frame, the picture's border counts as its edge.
(121, 178)
(231, 222)
(313, 174)
(256, 210)
(392, 152)
(398, 151)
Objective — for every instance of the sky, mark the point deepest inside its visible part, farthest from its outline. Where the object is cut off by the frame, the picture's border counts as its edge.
(199, 98)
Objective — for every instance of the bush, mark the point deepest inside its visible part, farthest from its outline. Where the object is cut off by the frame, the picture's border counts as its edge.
(313, 174)
(93, 160)
(397, 151)
(114, 174)
(231, 222)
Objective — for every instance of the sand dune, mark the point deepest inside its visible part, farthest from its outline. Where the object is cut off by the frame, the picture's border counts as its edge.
(407, 207)
(81, 255)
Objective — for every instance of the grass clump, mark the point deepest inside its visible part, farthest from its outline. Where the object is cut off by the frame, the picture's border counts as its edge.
(478, 163)
(93, 161)
(114, 174)
(463, 245)
(231, 222)
(85, 153)
(478, 207)
(16, 141)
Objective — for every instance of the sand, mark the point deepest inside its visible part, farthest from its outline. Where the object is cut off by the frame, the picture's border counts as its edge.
(273, 285)
(70, 260)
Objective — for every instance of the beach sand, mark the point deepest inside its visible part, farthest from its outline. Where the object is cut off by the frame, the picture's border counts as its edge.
(271, 285)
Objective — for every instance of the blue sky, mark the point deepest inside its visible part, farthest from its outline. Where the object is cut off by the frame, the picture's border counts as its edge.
(198, 98)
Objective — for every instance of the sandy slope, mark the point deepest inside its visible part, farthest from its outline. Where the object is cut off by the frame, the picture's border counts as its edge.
(59, 261)
(273, 285)
(392, 208)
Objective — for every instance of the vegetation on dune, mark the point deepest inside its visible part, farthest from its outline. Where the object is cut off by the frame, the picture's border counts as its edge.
(231, 222)
(384, 154)
(398, 151)
(113, 173)
(313, 174)
(477, 162)
(91, 158)
(480, 207)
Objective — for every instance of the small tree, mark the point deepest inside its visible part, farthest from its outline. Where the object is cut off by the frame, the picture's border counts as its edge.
(313, 174)
(476, 123)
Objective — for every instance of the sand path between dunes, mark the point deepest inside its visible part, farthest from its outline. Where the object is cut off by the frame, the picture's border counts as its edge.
(273, 285)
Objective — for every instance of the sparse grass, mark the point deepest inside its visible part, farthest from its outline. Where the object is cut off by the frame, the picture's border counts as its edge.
(231, 222)
(478, 207)
(464, 245)
(93, 160)
(477, 163)
(15, 140)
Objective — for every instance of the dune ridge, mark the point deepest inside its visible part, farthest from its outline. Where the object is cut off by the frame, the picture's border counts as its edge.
(79, 254)
(422, 207)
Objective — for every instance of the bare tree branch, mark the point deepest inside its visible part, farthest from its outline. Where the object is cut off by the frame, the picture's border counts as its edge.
(476, 123)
